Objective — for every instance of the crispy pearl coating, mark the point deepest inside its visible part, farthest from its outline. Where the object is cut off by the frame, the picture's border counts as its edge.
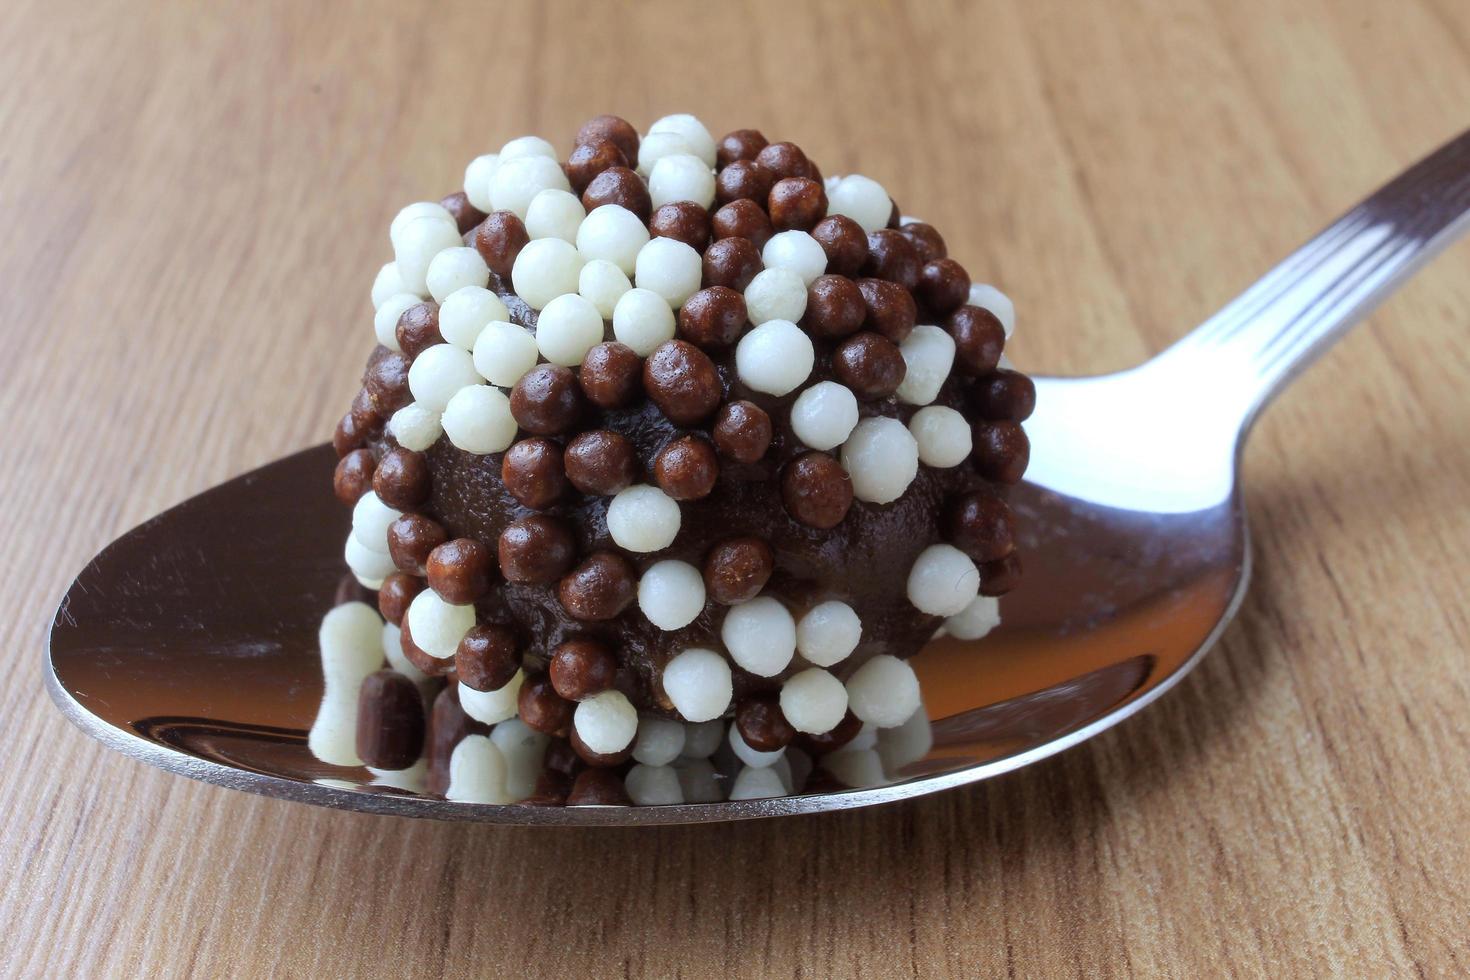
(683, 221)
(591, 158)
(979, 340)
(600, 462)
(735, 570)
(845, 243)
(740, 144)
(615, 130)
(744, 180)
(944, 285)
(488, 657)
(620, 186)
(1001, 451)
(401, 479)
(742, 431)
(600, 588)
(732, 263)
(582, 667)
(871, 365)
(354, 476)
(536, 550)
(981, 525)
(532, 471)
(715, 316)
(611, 375)
(499, 239)
(797, 203)
(682, 381)
(686, 468)
(743, 219)
(411, 538)
(816, 490)
(547, 401)
(893, 257)
(834, 307)
(890, 309)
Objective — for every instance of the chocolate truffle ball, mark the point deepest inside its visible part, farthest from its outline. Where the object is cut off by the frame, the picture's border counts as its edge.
(598, 787)
(1001, 451)
(981, 525)
(1000, 576)
(927, 240)
(386, 382)
(418, 328)
(890, 309)
(893, 257)
(541, 708)
(744, 180)
(979, 339)
(762, 725)
(465, 214)
(944, 285)
(784, 160)
(411, 538)
(394, 595)
(1004, 395)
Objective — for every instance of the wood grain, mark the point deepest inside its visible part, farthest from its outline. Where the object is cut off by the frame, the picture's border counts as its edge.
(196, 198)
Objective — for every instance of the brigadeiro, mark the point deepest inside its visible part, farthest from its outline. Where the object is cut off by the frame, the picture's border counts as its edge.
(665, 431)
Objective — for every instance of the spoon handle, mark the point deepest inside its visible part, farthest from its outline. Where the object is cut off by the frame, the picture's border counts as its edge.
(1272, 331)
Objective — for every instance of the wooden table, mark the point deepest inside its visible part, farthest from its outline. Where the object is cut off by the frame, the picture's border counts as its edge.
(196, 201)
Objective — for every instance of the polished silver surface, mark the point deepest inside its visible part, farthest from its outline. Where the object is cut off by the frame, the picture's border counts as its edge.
(190, 642)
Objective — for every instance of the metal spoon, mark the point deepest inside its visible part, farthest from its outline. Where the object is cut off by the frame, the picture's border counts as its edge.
(190, 642)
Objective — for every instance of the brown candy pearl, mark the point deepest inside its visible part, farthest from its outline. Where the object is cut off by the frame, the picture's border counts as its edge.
(893, 257)
(816, 490)
(834, 307)
(981, 525)
(611, 375)
(844, 242)
(739, 144)
(536, 550)
(742, 431)
(1000, 576)
(551, 789)
(448, 725)
(465, 214)
(761, 723)
(732, 263)
(736, 570)
(927, 240)
(598, 787)
(547, 400)
(599, 760)
(686, 468)
(459, 570)
(581, 668)
(1007, 396)
(891, 309)
(797, 203)
(541, 708)
(979, 339)
(411, 538)
(349, 589)
(683, 221)
(784, 160)
(620, 186)
(871, 365)
(348, 436)
(402, 478)
(386, 382)
(590, 159)
(895, 217)
(743, 219)
(682, 381)
(828, 742)
(744, 180)
(390, 720)
(394, 595)
(354, 476)
(418, 328)
(713, 317)
(488, 657)
(532, 471)
(420, 658)
(600, 588)
(499, 239)
(600, 462)
(1001, 451)
(944, 285)
(615, 130)
(562, 759)
(364, 416)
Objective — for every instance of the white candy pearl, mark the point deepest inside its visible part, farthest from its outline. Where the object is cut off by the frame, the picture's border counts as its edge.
(671, 594)
(703, 739)
(438, 372)
(555, 214)
(454, 269)
(863, 200)
(943, 580)
(757, 783)
(975, 620)
(370, 520)
(397, 659)
(883, 691)
(545, 269)
(698, 684)
(517, 181)
(386, 283)
(659, 741)
(681, 177)
(828, 633)
(490, 707)
(416, 245)
(824, 415)
(907, 743)
(477, 772)
(524, 748)
(412, 212)
(697, 781)
(477, 178)
(602, 284)
(750, 756)
(438, 626)
(813, 701)
(657, 145)
(567, 329)
(466, 312)
(478, 420)
(385, 320)
(347, 639)
(760, 635)
(775, 294)
(942, 434)
(670, 268)
(775, 357)
(613, 233)
(415, 427)
(695, 135)
(643, 518)
(857, 768)
(928, 354)
(987, 297)
(795, 251)
(653, 786)
(643, 320)
(527, 146)
(606, 722)
(504, 352)
(370, 566)
(882, 459)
